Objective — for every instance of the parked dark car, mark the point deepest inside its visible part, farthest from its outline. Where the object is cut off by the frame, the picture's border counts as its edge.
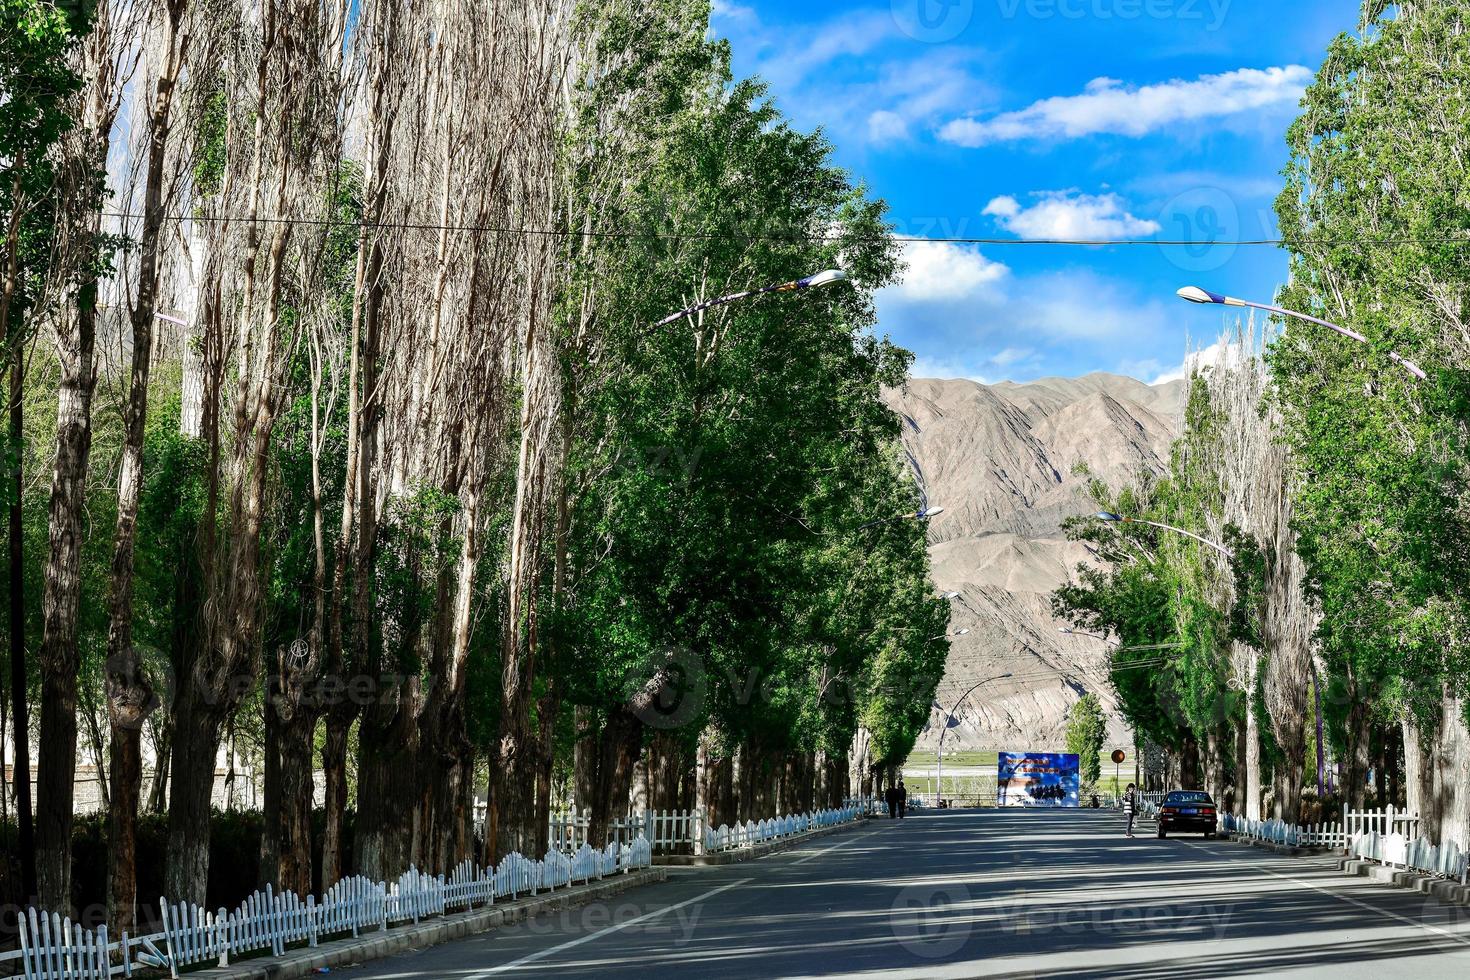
(1187, 811)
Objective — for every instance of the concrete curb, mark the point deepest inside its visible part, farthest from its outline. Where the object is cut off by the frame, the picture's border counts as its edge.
(751, 852)
(344, 952)
(1448, 892)
(1288, 850)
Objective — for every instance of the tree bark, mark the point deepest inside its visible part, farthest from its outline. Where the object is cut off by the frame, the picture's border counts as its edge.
(618, 749)
(1356, 773)
(196, 744)
(1253, 760)
(129, 694)
(60, 657)
(334, 772)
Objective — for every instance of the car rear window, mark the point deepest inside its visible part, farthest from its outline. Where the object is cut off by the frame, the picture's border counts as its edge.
(1187, 797)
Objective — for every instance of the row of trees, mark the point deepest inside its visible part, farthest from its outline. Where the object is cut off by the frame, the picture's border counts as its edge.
(327, 324)
(1335, 479)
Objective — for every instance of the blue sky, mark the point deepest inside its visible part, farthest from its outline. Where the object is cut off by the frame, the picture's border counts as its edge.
(1042, 119)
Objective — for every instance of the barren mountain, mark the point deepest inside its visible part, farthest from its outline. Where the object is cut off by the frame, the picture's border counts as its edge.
(1001, 459)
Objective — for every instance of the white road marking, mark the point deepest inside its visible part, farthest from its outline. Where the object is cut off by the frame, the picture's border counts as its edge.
(827, 850)
(542, 954)
(1349, 900)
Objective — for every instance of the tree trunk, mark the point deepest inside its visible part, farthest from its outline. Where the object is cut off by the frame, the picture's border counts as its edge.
(158, 787)
(19, 715)
(1214, 765)
(270, 835)
(1356, 773)
(1452, 798)
(334, 772)
(1253, 760)
(196, 747)
(60, 656)
(1189, 764)
(130, 697)
(1380, 766)
(293, 803)
(618, 749)
(387, 787)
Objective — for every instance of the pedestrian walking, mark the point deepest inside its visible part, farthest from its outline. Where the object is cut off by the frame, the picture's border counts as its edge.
(903, 799)
(1130, 806)
(890, 797)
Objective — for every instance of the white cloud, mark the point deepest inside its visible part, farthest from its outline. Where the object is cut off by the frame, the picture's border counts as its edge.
(946, 271)
(1080, 305)
(730, 11)
(1109, 106)
(885, 126)
(1012, 355)
(945, 370)
(1222, 351)
(1070, 215)
(855, 75)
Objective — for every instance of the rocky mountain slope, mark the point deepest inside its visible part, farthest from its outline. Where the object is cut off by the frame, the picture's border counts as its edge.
(1000, 459)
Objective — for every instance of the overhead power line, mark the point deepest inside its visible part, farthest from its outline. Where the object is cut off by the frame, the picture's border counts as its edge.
(636, 235)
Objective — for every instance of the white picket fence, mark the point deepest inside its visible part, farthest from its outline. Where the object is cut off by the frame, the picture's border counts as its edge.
(1420, 854)
(1365, 834)
(728, 838)
(665, 830)
(688, 831)
(1329, 835)
(55, 948)
(1388, 820)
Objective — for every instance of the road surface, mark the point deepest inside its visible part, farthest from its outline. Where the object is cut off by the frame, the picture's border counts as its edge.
(995, 893)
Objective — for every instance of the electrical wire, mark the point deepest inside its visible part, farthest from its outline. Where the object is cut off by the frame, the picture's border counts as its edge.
(630, 235)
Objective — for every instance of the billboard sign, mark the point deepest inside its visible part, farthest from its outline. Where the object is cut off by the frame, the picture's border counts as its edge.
(1038, 779)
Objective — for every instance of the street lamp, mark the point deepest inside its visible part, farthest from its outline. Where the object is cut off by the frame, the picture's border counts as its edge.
(949, 717)
(827, 278)
(1116, 519)
(1068, 631)
(923, 514)
(1194, 294)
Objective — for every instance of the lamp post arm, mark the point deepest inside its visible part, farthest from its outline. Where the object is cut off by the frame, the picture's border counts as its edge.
(948, 717)
(1188, 534)
(1394, 356)
(820, 279)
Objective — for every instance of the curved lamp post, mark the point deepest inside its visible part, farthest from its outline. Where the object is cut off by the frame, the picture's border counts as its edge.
(1116, 519)
(826, 278)
(918, 515)
(1068, 631)
(948, 717)
(1194, 294)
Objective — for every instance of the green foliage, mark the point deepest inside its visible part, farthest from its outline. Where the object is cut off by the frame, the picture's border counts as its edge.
(210, 148)
(726, 463)
(1087, 729)
(1378, 154)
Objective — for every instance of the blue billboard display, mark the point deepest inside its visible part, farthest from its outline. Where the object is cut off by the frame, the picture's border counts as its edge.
(1038, 779)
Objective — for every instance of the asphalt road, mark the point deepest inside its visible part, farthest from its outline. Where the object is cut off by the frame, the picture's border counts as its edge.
(989, 893)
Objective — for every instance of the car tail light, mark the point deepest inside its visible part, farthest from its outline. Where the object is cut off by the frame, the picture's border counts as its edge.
(1208, 811)
(1170, 809)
